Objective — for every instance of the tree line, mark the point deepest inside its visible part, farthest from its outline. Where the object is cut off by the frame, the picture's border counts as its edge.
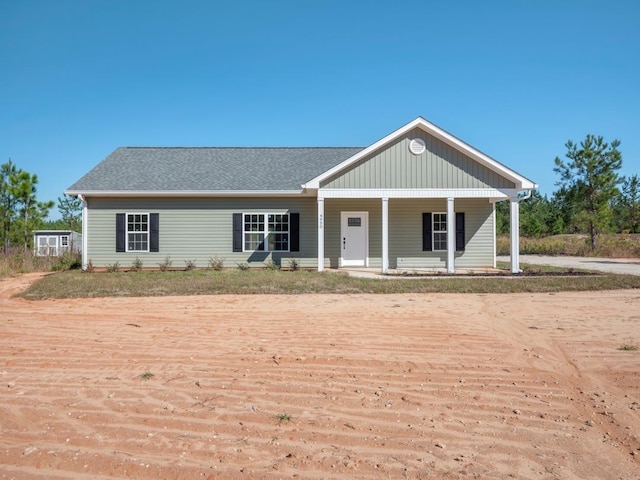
(21, 213)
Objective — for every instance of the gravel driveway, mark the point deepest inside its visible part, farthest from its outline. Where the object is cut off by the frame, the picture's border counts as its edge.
(629, 266)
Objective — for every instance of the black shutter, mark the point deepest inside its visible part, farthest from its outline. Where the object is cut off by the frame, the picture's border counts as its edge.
(154, 232)
(294, 232)
(427, 229)
(237, 232)
(460, 231)
(120, 232)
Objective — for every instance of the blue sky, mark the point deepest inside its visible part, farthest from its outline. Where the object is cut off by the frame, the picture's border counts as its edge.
(514, 78)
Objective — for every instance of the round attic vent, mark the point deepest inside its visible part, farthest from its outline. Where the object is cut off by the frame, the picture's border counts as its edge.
(417, 146)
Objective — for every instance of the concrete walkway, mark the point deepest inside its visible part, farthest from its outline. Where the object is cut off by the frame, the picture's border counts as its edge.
(629, 266)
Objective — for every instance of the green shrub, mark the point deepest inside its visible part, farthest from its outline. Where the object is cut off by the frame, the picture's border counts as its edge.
(67, 261)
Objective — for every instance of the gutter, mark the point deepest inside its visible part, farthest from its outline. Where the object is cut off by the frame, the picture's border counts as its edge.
(186, 193)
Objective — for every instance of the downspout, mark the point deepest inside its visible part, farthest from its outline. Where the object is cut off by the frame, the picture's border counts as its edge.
(85, 228)
(527, 196)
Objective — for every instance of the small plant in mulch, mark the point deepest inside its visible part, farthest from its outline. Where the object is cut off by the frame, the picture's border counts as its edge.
(283, 417)
(113, 268)
(271, 265)
(136, 265)
(189, 264)
(166, 264)
(216, 263)
(147, 376)
(293, 264)
(243, 266)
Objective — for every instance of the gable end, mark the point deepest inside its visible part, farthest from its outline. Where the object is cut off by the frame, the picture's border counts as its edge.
(438, 166)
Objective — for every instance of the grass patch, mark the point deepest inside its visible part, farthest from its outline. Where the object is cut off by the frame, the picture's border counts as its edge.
(628, 347)
(284, 417)
(578, 245)
(147, 376)
(76, 284)
(17, 261)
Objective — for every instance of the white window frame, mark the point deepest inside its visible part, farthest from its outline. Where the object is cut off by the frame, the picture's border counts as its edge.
(443, 221)
(127, 232)
(64, 242)
(265, 232)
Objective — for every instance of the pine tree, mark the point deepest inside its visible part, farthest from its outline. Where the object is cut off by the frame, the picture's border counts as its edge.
(590, 177)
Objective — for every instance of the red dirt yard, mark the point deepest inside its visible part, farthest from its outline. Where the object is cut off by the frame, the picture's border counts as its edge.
(525, 386)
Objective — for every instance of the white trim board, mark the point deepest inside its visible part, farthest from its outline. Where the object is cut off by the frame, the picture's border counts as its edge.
(417, 193)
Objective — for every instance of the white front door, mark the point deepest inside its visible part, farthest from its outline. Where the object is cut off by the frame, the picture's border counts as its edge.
(354, 239)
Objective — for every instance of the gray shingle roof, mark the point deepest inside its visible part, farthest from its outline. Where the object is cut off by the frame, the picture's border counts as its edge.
(175, 169)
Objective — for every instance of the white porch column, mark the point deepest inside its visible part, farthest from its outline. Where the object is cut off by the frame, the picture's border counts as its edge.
(451, 236)
(515, 235)
(385, 235)
(320, 234)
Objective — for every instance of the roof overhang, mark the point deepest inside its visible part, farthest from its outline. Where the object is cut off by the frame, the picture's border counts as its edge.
(521, 183)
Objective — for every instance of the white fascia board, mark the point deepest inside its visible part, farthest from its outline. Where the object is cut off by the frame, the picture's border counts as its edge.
(491, 193)
(188, 193)
(521, 182)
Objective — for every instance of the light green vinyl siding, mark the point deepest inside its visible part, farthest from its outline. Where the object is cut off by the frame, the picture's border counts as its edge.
(440, 166)
(405, 233)
(195, 229)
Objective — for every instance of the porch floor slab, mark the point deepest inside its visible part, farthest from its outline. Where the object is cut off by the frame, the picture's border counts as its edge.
(399, 274)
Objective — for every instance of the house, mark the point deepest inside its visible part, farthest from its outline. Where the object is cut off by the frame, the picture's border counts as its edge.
(54, 243)
(417, 198)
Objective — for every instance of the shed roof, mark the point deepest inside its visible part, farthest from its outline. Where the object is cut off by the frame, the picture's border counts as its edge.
(209, 169)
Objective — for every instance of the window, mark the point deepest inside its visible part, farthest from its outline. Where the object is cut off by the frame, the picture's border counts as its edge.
(64, 242)
(434, 232)
(254, 232)
(266, 232)
(137, 232)
(439, 231)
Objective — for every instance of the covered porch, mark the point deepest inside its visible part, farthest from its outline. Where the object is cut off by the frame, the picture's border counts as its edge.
(422, 231)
